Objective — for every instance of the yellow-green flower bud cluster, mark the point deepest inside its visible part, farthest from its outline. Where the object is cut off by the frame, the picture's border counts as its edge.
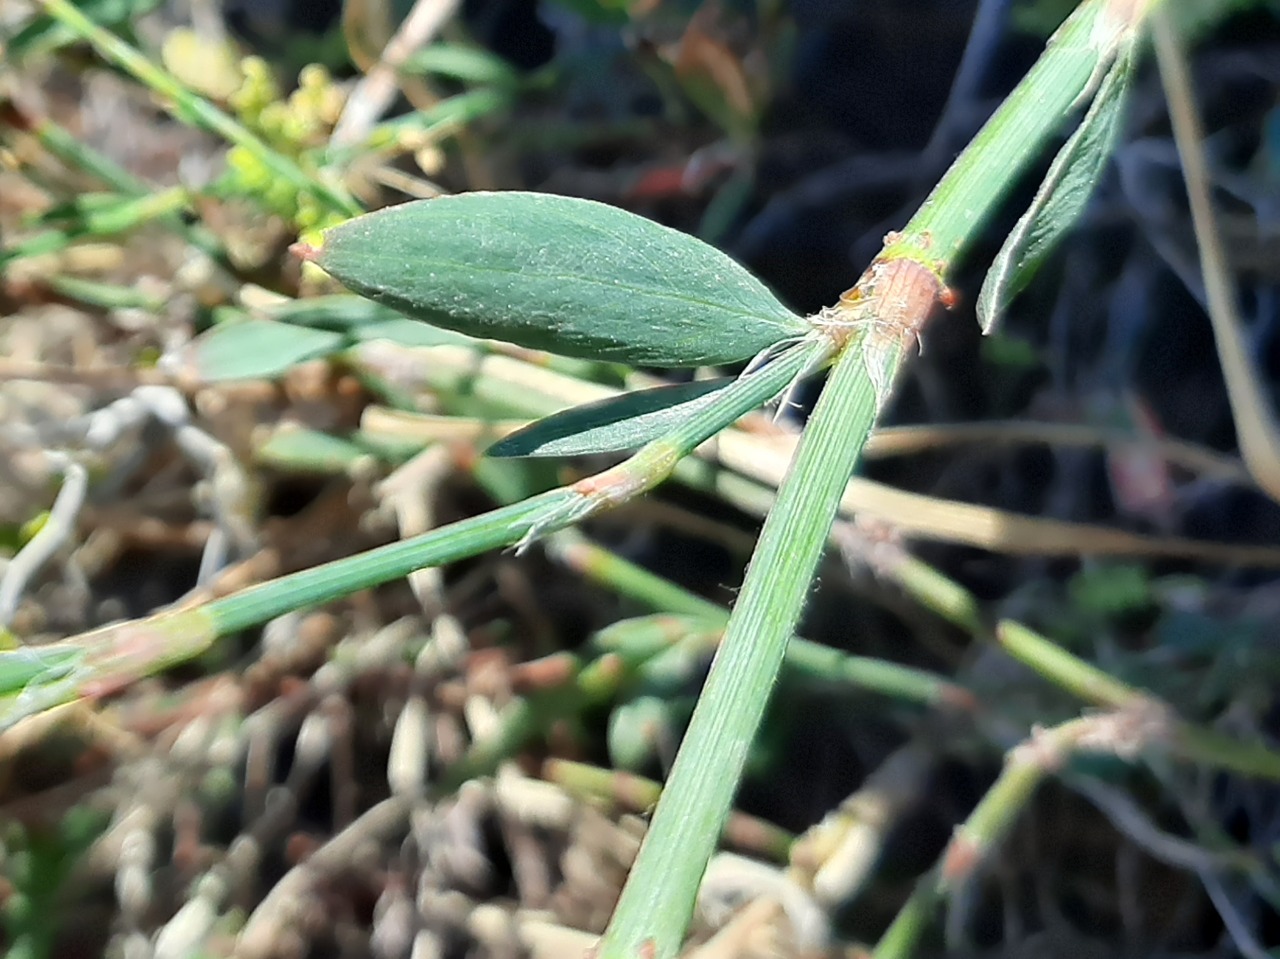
(292, 126)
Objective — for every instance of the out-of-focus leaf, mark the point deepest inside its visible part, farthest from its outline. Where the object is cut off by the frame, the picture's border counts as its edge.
(75, 210)
(341, 312)
(360, 320)
(646, 729)
(510, 482)
(406, 332)
(640, 638)
(468, 65)
(44, 34)
(308, 451)
(726, 205)
(259, 349)
(714, 78)
(564, 275)
(622, 422)
(1062, 196)
(1113, 590)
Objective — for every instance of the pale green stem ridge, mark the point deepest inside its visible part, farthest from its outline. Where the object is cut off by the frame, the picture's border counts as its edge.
(658, 900)
(1006, 146)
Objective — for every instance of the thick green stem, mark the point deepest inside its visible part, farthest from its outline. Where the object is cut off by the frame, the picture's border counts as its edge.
(1011, 140)
(652, 916)
(884, 312)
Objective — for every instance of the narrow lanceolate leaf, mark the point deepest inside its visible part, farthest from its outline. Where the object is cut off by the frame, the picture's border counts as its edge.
(623, 422)
(1063, 194)
(564, 275)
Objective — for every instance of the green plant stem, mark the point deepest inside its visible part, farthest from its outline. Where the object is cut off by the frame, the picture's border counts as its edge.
(130, 213)
(1026, 767)
(69, 149)
(805, 658)
(73, 151)
(522, 719)
(1060, 667)
(187, 106)
(638, 793)
(657, 901)
(105, 296)
(493, 530)
(1187, 741)
(658, 898)
(1198, 744)
(629, 579)
(126, 651)
(928, 586)
(1014, 137)
(436, 123)
(510, 524)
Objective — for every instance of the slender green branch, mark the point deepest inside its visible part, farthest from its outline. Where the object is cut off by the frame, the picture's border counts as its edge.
(1187, 741)
(1073, 674)
(110, 658)
(1124, 733)
(190, 107)
(129, 213)
(492, 530)
(805, 658)
(1016, 134)
(974, 841)
(639, 794)
(58, 141)
(511, 524)
(884, 312)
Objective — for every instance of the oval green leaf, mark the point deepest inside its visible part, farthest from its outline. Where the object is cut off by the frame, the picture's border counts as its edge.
(569, 276)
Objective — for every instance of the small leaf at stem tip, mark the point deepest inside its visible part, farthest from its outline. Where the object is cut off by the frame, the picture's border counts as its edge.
(1062, 196)
(554, 273)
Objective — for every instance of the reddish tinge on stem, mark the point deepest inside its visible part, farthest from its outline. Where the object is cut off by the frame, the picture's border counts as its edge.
(894, 299)
(305, 252)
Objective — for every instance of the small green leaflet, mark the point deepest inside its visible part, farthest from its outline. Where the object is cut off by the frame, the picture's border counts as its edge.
(299, 450)
(1062, 196)
(632, 420)
(565, 275)
(623, 422)
(259, 349)
(302, 330)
